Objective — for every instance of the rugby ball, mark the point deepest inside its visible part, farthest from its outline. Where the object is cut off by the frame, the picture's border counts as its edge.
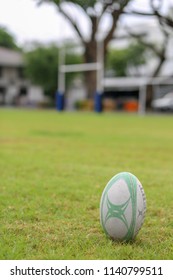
(122, 207)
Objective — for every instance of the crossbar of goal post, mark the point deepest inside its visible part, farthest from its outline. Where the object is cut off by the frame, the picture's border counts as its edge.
(79, 67)
(96, 66)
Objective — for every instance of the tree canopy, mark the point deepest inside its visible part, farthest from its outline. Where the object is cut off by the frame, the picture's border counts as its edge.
(124, 62)
(95, 12)
(42, 67)
(7, 40)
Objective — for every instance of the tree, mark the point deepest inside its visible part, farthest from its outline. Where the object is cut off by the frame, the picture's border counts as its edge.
(41, 66)
(165, 22)
(95, 12)
(7, 40)
(123, 61)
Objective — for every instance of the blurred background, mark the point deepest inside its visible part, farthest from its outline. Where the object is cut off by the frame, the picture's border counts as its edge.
(120, 53)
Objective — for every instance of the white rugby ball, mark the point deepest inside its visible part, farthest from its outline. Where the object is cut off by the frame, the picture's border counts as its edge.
(122, 207)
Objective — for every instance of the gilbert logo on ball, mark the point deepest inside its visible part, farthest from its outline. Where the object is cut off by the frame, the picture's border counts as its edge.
(122, 207)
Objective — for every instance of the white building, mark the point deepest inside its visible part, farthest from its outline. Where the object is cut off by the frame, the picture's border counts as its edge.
(15, 89)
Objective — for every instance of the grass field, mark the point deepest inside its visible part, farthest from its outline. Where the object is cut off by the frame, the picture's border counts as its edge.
(53, 169)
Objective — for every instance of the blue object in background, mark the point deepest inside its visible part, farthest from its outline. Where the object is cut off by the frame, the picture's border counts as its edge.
(60, 101)
(98, 102)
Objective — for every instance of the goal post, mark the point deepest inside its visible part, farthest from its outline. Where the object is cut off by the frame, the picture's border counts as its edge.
(98, 104)
(59, 96)
(97, 66)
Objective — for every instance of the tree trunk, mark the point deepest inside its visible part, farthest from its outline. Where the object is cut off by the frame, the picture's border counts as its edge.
(90, 56)
(149, 91)
(90, 83)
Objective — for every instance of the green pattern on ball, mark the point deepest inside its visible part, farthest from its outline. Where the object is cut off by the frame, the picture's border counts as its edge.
(118, 211)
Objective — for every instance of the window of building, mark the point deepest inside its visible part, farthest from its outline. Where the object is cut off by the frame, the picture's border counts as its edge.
(0, 71)
(2, 95)
(23, 91)
(21, 72)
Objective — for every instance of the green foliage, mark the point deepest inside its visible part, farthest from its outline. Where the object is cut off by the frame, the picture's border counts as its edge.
(7, 40)
(54, 168)
(42, 67)
(83, 3)
(121, 60)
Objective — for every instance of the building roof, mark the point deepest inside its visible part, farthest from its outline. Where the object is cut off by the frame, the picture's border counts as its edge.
(10, 57)
(135, 82)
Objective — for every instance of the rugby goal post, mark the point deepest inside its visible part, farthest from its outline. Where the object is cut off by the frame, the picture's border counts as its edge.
(97, 66)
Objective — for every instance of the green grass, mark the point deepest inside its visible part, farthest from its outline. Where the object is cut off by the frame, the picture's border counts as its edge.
(53, 169)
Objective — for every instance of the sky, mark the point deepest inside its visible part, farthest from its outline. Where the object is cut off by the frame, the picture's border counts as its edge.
(29, 22)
